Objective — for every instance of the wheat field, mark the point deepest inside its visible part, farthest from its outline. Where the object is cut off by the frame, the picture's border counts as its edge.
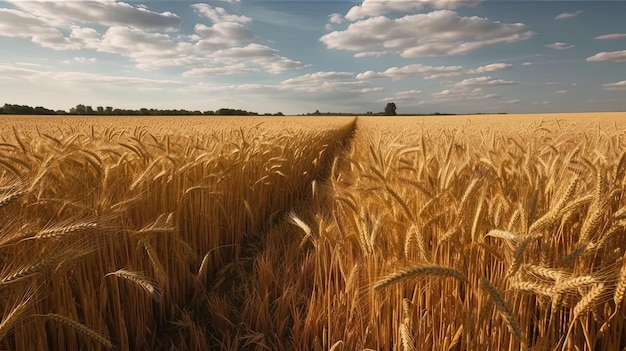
(501, 232)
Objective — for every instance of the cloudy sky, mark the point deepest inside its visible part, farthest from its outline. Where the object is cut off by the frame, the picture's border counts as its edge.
(328, 55)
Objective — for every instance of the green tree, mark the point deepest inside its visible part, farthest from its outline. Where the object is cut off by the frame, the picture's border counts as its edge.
(390, 109)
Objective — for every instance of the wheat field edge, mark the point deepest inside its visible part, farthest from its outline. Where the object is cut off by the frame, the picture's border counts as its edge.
(341, 233)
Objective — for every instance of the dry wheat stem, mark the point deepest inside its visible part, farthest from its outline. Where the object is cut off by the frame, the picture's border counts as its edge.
(502, 308)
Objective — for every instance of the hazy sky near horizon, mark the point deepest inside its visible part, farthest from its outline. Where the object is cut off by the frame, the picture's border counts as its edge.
(328, 55)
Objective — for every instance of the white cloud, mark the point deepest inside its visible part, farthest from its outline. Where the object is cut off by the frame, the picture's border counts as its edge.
(431, 72)
(221, 35)
(512, 101)
(493, 67)
(261, 55)
(566, 15)
(148, 50)
(542, 103)
(106, 12)
(19, 24)
(615, 86)
(561, 91)
(370, 54)
(616, 56)
(319, 77)
(251, 50)
(559, 46)
(218, 14)
(327, 83)
(437, 33)
(81, 59)
(414, 70)
(371, 8)
(149, 39)
(484, 81)
(81, 78)
(219, 71)
(526, 64)
(372, 90)
(335, 18)
(461, 94)
(407, 95)
(614, 36)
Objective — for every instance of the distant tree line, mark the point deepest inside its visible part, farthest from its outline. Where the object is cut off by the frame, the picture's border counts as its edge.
(25, 110)
(81, 109)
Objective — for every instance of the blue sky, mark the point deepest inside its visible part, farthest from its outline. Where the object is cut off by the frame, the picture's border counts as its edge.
(301, 56)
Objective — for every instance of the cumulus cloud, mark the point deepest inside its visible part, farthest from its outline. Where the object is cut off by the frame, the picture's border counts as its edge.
(437, 33)
(327, 82)
(19, 24)
(492, 67)
(371, 8)
(372, 90)
(414, 70)
(461, 94)
(221, 35)
(335, 18)
(149, 50)
(431, 72)
(260, 55)
(614, 36)
(109, 12)
(566, 15)
(251, 50)
(621, 85)
(559, 46)
(483, 82)
(218, 14)
(81, 59)
(407, 95)
(615, 56)
(149, 39)
(470, 89)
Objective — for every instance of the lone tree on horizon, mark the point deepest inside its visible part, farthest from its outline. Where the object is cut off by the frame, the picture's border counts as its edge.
(390, 109)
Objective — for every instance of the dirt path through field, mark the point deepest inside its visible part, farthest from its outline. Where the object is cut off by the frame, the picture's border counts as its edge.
(241, 291)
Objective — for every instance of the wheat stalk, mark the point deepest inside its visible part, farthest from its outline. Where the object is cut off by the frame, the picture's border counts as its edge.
(502, 308)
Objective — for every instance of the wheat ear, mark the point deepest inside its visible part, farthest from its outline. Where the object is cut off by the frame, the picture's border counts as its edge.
(415, 271)
(618, 296)
(81, 328)
(588, 301)
(138, 279)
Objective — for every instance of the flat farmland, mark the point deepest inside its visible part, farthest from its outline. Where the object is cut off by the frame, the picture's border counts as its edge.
(485, 232)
